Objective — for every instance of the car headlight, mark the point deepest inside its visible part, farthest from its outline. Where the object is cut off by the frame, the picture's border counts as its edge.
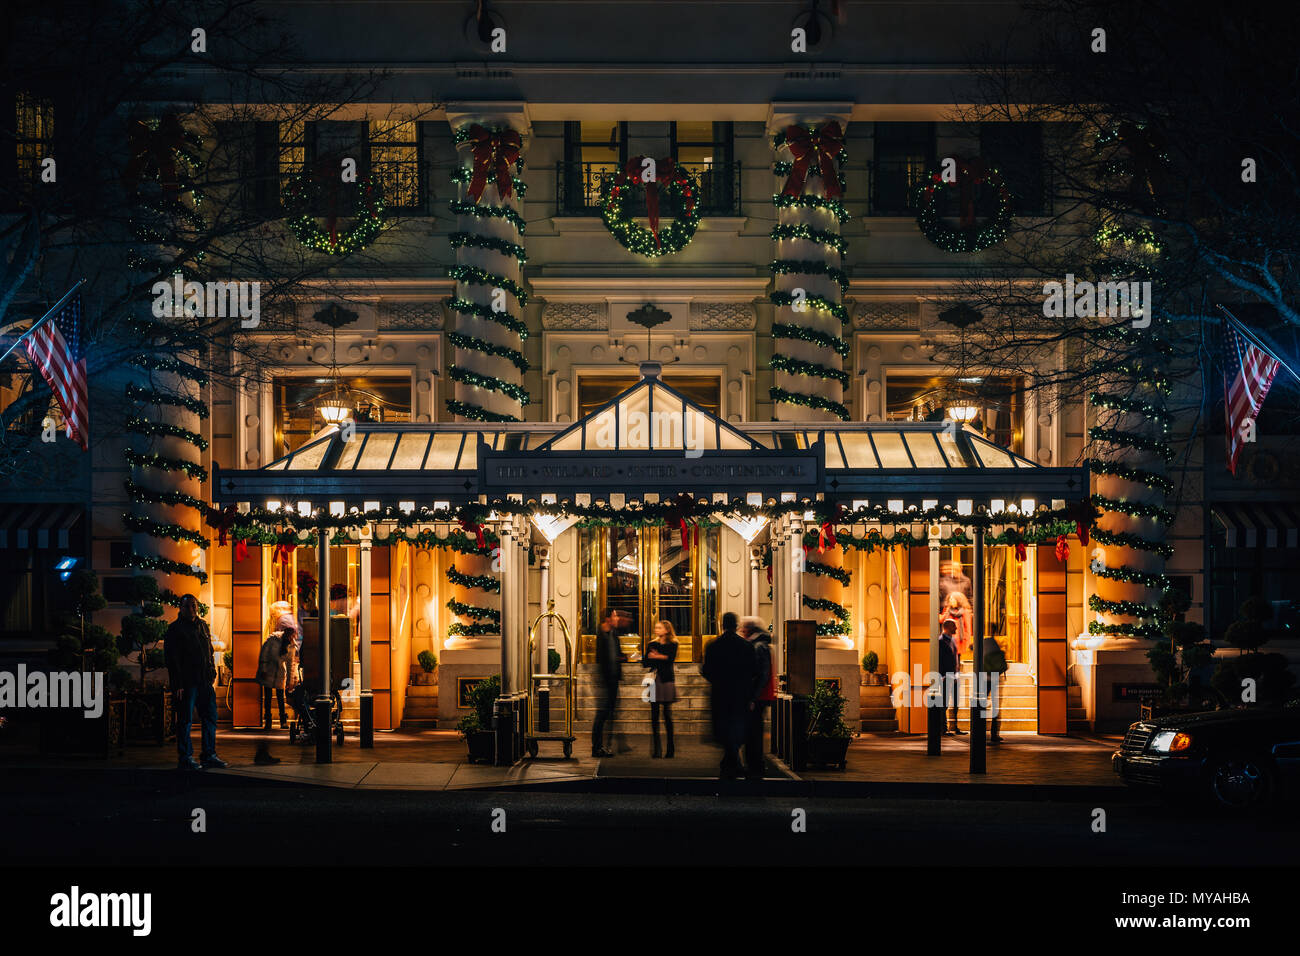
(1169, 742)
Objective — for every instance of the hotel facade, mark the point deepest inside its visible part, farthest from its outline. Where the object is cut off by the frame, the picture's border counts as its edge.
(510, 397)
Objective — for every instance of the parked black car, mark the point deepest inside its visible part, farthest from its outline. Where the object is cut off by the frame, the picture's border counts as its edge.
(1239, 759)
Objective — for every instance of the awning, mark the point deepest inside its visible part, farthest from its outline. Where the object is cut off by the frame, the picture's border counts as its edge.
(38, 525)
(1258, 524)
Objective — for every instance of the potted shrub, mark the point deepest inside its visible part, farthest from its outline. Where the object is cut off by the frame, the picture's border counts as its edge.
(225, 673)
(476, 726)
(870, 662)
(828, 734)
(1179, 660)
(552, 661)
(428, 665)
(1272, 679)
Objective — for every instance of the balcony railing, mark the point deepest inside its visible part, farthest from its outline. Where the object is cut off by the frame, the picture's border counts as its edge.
(579, 189)
(405, 185)
(892, 192)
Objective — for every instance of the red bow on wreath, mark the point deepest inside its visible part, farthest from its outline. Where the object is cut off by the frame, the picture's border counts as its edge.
(156, 148)
(665, 171)
(819, 146)
(495, 151)
(970, 173)
(1062, 549)
(471, 527)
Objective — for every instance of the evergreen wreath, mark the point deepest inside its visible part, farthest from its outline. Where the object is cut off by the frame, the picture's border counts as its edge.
(960, 239)
(367, 216)
(672, 181)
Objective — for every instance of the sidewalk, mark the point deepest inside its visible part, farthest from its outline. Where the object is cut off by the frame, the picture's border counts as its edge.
(1025, 767)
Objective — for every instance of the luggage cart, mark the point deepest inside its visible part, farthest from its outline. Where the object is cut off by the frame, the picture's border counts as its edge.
(533, 735)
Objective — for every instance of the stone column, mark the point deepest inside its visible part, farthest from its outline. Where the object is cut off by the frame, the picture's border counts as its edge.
(807, 364)
(487, 363)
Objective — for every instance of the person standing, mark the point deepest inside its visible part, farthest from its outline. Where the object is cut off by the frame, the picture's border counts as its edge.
(957, 608)
(659, 656)
(192, 670)
(729, 665)
(948, 673)
(995, 667)
(273, 669)
(609, 671)
(764, 694)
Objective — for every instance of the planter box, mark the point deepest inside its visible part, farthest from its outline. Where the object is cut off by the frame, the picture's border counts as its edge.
(828, 751)
(482, 746)
(70, 731)
(422, 679)
(150, 716)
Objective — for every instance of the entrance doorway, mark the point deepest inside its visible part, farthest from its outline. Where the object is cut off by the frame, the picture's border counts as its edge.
(648, 575)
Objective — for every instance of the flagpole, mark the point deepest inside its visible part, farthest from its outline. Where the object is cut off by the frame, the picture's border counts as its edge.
(1236, 324)
(43, 319)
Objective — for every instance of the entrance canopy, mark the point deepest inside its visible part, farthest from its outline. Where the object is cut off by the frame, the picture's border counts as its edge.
(651, 443)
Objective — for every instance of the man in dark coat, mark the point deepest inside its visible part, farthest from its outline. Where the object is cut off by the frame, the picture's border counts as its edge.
(609, 669)
(731, 667)
(751, 629)
(948, 673)
(192, 669)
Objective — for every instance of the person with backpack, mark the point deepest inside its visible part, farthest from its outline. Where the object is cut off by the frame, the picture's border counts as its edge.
(995, 666)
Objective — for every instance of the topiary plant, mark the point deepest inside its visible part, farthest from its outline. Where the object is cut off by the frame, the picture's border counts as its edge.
(826, 712)
(870, 661)
(143, 628)
(428, 660)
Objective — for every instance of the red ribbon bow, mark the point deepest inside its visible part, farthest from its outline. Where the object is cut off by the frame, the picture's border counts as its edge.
(665, 170)
(241, 550)
(826, 536)
(970, 173)
(157, 148)
(470, 527)
(282, 553)
(819, 146)
(495, 151)
(222, 520)
(1062, 549)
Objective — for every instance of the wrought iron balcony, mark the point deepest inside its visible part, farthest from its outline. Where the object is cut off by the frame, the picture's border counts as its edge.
(892, 191)
(579, 189)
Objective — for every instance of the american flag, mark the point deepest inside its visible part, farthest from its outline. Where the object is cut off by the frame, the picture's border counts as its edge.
(54, 347)
(1252, 369)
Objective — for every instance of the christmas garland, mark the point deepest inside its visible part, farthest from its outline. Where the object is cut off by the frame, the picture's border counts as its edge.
(474, 611)
(815, 151)
(161, 462)
(814, 302)
(839, 626)
(672, 181)
(143, 426)
(514, 356)
(800, 334)
(491, 154)
(367, 215)
(484, 582)
(779, 394)
(963, 239)
(1126, 539)
(794, 366)
(154, 396)
(827, 570)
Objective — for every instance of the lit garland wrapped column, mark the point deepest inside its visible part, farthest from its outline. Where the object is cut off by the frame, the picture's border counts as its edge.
(165, 457)
(825, 581)
(809, 349)
(475, 587)
(165, 448)
(488, 364)
(1132, 451)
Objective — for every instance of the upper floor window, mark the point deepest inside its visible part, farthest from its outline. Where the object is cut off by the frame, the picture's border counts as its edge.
(1016, 149)
(991, 405)
(30, 127)
(904, 154)
(595, 151)
(297, 401)
(268, 155)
